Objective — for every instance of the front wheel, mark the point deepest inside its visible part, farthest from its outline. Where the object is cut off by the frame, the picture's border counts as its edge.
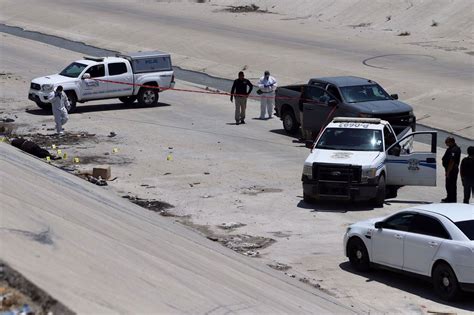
(358, 255)
(128, 99)
(71, 96)
(148, 97)
(289, 122)
(445, 282)
(381, 192)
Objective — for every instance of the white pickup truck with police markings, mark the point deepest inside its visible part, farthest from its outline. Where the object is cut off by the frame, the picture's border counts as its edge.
(137, 76)
(363, 159)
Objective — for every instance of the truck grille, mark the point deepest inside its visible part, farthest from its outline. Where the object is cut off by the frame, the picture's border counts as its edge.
(35, 86)
(337, 173)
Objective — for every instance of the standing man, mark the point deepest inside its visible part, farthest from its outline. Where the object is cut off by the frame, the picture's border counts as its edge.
(59, 104)
(240, 89)
(467, 174)
(451, 159)
(267, 86)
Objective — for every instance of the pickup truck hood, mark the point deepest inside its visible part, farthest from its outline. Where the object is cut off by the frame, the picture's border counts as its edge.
(342, 157)
(53, 79)
(382, 107)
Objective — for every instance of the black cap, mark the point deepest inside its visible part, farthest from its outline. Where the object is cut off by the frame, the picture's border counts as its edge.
(267, 72)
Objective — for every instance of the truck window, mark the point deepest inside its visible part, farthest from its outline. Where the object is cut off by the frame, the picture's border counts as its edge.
(73, 70)
(96, 71)
(351, 139)
(152, 64)
(389, 137)
(364, 93)
(334, 91)
(117, 68)
(317, 94)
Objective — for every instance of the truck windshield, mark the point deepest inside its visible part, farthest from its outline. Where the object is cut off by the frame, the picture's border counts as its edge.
(351, 139)
(364, 93)
(73, 70)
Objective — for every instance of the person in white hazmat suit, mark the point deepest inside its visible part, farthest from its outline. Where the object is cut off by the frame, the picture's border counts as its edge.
(267, 86)
(60, 105)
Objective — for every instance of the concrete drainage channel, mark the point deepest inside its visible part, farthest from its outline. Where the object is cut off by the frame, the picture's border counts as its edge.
(182, 74)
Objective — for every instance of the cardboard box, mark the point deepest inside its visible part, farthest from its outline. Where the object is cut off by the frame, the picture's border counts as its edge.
(103, 171)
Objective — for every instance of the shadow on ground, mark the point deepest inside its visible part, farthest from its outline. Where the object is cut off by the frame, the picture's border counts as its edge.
(81, 109)
(335, 206)
(412, 285)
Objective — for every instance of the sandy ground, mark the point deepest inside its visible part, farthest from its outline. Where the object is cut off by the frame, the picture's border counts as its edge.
(220, 173)
(431, 68)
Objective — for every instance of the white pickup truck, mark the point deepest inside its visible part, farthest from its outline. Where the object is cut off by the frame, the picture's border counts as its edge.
(363, 159)
(128, 77)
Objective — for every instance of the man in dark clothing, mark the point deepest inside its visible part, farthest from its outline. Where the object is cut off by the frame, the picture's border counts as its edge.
(451, 160)
(467, 174)
(239, 88)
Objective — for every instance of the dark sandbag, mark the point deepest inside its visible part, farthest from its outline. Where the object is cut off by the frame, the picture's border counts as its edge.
(30, 147)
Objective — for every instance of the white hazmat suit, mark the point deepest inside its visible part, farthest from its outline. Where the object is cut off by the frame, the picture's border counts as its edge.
(267, 85)
(60, 104)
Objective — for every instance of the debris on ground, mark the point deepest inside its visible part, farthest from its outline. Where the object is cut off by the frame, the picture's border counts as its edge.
(230, 225)
(279, 266)
(30, 147)
(20, 296)
(112, 134)
(67, 139)
(153, 205)
(97, 180)
(102, 171)
(245, 9)
(255, 190)
(8, 120)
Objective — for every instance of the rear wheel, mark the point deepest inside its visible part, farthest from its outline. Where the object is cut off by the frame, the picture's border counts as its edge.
(71, 96)
(445, 282)
(128, 99)
(289, 122)
(358, 255)
(148, 97)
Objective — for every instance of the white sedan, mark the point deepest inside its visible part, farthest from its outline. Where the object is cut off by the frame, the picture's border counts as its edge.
(435, 241)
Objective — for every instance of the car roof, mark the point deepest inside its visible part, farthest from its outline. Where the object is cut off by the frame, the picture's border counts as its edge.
(345, 81)
(456, 212)
(143, 54)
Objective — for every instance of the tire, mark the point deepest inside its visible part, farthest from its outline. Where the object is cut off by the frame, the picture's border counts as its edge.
(71, 96)
(290, 124)
(307, 198)
(379, 199)
(392, 192)
(45, 106)
(358, 255)
(148, 97)
(445, 283)
(128, 99)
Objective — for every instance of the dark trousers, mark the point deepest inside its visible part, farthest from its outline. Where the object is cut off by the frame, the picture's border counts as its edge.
(468, 189)
(451, 182)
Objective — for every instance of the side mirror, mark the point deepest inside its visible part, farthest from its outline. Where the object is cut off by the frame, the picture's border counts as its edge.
(86, 76)
(309, 144)
(394, 96)
(378, 225)
(332, 103)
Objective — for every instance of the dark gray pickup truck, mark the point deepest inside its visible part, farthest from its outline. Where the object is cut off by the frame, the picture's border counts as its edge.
(352, 97)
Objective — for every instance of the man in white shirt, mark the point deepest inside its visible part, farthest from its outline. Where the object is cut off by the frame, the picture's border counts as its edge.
(267, 86)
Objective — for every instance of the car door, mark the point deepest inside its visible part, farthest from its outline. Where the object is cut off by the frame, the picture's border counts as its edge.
(415, 167)
(94, 89)
(119, 72)
(387, 241)
(422, 243)
(318, 105)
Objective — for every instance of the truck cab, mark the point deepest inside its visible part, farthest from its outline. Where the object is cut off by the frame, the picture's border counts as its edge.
(365, 159)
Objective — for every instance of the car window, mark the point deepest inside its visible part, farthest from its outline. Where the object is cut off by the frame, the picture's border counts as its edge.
(334, 91)
(364, 93)
(117, 68)
(426, 225)
(350, 139)
(467, 227)
(96, 71)
(400, 221)
(317, 94)
(73, 70)
(389, 137)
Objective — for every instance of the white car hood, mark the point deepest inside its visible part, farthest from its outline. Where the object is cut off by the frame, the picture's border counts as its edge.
(342, 157)
(53, 79)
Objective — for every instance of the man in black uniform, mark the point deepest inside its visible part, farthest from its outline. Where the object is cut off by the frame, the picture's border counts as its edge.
(451, 159)
(467, 174)
(240, 89)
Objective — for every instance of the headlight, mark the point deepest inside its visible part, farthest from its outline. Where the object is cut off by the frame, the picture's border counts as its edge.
(308, 171)
(47, 87)
(369, 173)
